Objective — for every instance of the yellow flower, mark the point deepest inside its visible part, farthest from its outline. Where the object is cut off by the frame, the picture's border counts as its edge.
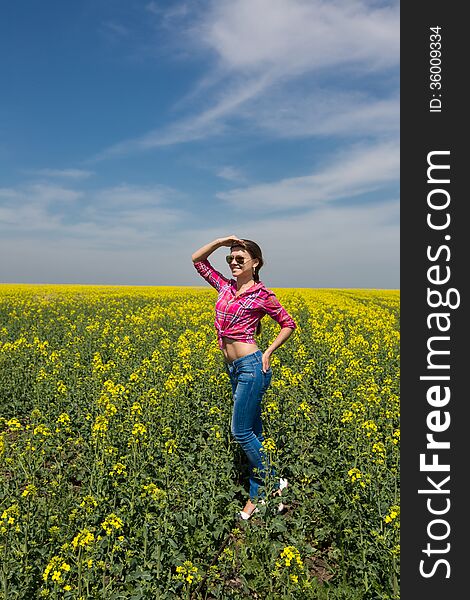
(88, 503)
(111, 523)
(269, 445)
(136, 408)
(305, 409)
(154, 492)
(170, 446)
(14, 424)
(139, 432)
(63, 419)
(61, 387)
(354, 474)
(187, 572)
(216, 431)
(83, 539)
(30, 490)
(272, 407)
(379, 448)
(99, 427)
(289, 554)
(393, 513)
(42, 430)
(57, 565)
(370, 427)
(10, 515)
(119, 469)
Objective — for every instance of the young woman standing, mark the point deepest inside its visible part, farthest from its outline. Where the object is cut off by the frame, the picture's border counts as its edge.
(242, 302)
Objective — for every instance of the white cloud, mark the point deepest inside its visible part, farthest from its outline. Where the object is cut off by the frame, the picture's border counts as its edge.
(353, 172)
(231, 174)
(62, 173)
(35, 207)
(295, 36)
(205, 124)
(177, 11)
(116, 215)
(117, 28)
(356, 246)
(324, 113)
(260, 45)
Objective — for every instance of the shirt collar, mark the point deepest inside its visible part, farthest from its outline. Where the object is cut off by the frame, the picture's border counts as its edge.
(257, 286)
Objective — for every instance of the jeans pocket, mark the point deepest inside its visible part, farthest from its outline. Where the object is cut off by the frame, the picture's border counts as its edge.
(267, 377)
(246, 376)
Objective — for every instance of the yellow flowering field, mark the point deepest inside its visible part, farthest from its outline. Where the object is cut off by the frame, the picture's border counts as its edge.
(119, 475)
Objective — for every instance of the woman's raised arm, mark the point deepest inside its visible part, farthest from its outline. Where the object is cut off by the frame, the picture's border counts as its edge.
(205, 251)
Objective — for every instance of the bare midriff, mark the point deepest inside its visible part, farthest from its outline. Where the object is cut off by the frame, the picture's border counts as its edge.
(233, 349)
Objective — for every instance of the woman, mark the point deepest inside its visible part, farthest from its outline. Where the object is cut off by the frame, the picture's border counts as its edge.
(241, 303)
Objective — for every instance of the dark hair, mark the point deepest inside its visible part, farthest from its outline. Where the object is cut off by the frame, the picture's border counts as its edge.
(255, 252)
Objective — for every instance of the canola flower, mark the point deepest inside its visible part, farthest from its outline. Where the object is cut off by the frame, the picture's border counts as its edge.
(30, 491)
(56, 569)
(116, 391)
(89, 503)
(269, 445)
(112, 523)
(356, 476)
(290, 566)
(100, 427)
(9, 517)
(288, 555)
(83, 539)
(170, 446)
(118, 469)
(151, 490)
(393, 515)
(187, 572)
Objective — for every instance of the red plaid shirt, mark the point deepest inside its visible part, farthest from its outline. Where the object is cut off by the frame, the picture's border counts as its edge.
(236, 317)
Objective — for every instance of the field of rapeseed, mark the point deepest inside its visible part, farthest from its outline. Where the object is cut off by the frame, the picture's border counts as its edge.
(119, 477)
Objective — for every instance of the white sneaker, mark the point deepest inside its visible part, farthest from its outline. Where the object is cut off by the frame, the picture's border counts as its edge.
(245, 516)
(283, 483)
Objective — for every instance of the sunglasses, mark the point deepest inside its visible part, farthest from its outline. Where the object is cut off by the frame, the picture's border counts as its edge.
(240, 260)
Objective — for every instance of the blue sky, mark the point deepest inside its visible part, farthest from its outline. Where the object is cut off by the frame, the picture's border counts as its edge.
(133, 132)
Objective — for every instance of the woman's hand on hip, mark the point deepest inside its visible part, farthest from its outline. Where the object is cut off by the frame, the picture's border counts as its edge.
(266, 361)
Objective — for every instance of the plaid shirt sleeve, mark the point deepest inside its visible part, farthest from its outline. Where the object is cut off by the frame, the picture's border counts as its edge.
(276, 311)
(206, 270)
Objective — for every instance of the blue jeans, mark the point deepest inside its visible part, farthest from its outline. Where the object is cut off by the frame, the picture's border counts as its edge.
(249, 384)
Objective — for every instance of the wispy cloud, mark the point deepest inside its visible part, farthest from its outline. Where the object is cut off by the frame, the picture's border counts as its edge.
(61, 173)
(292, 37)
(354, 246)
(350, 174)
(231, 174)
(207, 123)
(347, 246)
(116, 29)
(118, 214)
(258, 46)
(169, 13)
(323, 112)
